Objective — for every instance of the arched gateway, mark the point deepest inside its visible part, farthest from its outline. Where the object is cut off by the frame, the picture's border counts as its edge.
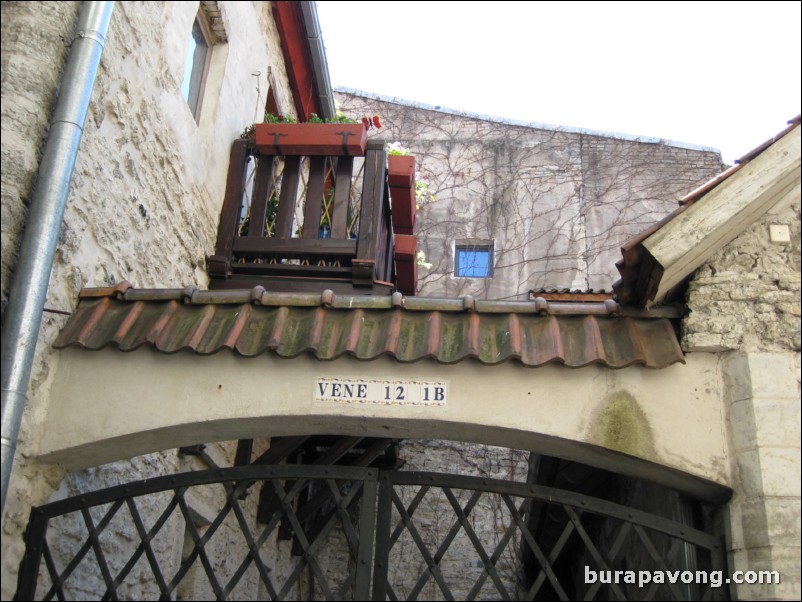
(623, 472)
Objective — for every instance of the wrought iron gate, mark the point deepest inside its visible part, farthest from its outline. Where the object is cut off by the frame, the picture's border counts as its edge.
(338, 532)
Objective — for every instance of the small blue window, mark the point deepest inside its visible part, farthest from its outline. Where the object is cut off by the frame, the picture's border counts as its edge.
(473, 261)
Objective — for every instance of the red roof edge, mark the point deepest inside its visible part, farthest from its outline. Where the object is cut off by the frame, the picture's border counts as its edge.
(297, 58)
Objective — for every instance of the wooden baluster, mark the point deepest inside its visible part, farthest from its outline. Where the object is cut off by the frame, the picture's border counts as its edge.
(219, 264)
(342, 196)
(313, 206)
(289, 194)
(371, 213)
(262, 189)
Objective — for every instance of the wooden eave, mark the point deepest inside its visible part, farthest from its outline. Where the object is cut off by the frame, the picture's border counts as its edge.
(670, 252)
(291, 26)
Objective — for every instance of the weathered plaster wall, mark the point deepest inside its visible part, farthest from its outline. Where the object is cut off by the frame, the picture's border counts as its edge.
(147, 187)
(745, 303)
(550, 409)
(558, 204)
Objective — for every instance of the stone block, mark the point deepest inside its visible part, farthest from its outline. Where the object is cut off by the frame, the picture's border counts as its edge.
(748, 524)
(780, 472)
(777, 422)
(773, 375)
(783, 521)
(736, 376)
(741, 422)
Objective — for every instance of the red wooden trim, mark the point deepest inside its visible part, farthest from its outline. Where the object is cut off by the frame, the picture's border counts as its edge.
(290, 25)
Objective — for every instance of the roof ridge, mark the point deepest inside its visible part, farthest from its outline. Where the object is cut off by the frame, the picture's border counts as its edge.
(258, 295)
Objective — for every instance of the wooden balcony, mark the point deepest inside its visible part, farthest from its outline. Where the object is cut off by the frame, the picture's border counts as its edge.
(305, 223)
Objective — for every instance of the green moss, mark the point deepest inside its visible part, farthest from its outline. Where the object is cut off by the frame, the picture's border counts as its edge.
(621, 425)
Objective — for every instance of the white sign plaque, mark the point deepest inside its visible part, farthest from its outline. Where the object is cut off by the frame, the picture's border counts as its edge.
(389, 392)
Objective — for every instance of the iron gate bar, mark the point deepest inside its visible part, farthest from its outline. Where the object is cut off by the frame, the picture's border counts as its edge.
(146, 537)
(199, 542)
(620, 538)
(35, 536)
(101, 558)
(658, 558)
(363, 561)
(462, 520)
(430, 562)
(56, 587)
(446, 543)
(601, 560)
(384, 508)
(546, 570)
(559, 496)
(234, 495)
(629, 517)
(309, 547)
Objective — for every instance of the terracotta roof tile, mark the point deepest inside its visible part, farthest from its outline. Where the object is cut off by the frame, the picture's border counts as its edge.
(327, 326)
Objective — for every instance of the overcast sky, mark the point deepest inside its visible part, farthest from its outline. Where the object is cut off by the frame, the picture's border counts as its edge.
(719, 74)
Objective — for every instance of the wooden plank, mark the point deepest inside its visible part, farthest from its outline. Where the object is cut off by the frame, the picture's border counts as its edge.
(290, 180)
(342, 196)
(232, 202)
(696, 234)
(285, 269)
(296, 248)
(280, 448)
(371, 214)
(244, 450)
(262, 189)
(313, 204)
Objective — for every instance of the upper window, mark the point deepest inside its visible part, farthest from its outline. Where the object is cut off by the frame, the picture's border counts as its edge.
(197, 65)
(473, 260)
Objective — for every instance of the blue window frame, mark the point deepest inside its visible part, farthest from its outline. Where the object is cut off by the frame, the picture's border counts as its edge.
(473, 260)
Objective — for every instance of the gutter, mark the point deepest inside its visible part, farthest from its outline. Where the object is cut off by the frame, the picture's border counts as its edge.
(320, 66)
(32, 274)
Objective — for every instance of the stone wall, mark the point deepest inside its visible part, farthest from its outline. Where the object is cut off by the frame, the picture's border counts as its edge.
(747, 297)
(557, 203)
(745, 303)
(146, 192)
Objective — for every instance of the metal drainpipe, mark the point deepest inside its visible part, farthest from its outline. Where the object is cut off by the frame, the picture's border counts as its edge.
(32, 274)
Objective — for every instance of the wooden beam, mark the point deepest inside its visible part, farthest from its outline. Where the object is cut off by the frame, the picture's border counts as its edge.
(297, 59)
(696, 234)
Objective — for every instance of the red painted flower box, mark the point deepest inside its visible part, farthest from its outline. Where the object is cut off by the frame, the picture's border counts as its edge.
(401, 170)
(403, 202)
(403, 197)
(311, 138)
(406, 264)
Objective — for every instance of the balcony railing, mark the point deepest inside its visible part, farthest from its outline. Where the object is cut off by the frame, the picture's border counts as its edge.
(305, 223)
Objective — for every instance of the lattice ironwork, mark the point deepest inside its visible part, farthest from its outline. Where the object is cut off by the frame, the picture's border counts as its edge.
(473, 551)
(101, 542)
(356, 532)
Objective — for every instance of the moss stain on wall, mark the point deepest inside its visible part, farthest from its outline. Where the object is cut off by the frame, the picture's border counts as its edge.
(619, 424)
